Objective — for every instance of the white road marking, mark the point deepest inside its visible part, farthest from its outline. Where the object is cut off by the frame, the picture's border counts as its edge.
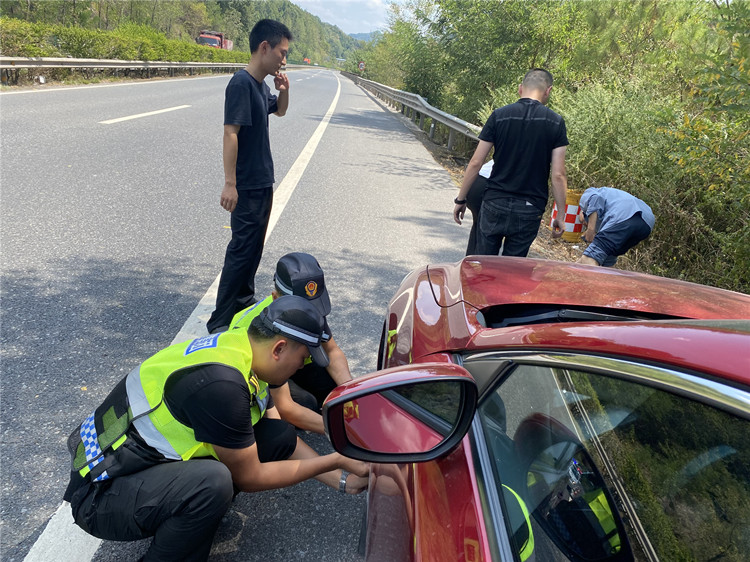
(139, 115)
(285, 189)
(119, 84)
(62, 540)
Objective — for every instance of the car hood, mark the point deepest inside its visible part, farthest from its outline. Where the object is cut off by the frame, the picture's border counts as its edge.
(483, 282)
(443, 307)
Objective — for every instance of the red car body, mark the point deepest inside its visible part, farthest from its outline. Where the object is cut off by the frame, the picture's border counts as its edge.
(437, 510)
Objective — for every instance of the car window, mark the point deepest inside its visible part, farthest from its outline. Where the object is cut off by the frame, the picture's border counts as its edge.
(593, 467)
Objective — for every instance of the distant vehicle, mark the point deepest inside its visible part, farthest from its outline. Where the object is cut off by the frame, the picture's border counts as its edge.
(215, 39)
(308, 61)
(532, 411)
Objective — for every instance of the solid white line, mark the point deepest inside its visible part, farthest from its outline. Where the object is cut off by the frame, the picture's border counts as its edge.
(62, 540)
(285, 189)
(139, 115)
(119, 84)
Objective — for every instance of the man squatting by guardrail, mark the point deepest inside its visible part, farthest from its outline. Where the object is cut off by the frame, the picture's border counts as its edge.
(615, 222)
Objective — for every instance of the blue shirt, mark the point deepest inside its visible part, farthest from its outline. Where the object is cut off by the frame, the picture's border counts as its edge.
(613, 206)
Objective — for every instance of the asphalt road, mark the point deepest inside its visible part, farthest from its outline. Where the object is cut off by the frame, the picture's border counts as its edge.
(112, 234)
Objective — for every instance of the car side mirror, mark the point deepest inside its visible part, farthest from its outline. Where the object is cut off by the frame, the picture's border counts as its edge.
(411, 413)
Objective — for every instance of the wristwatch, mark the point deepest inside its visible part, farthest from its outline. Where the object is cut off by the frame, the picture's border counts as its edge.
(458, 201)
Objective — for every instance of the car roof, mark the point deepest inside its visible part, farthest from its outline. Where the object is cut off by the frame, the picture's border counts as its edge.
(465, 305)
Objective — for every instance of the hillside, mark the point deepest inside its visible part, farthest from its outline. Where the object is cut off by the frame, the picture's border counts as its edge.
(182, 20)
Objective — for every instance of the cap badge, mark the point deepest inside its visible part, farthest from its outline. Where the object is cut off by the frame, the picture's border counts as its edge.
(311, 289)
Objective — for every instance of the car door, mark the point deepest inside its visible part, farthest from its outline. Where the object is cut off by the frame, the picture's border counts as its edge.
(590, 458)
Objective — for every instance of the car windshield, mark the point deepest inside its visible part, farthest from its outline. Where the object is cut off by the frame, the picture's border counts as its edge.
(592, 467)
(212, 41)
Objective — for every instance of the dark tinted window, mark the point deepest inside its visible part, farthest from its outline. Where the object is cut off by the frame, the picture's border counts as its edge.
(597, 468)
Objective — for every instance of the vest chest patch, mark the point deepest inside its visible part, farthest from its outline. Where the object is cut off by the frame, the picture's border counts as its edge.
(202, 343)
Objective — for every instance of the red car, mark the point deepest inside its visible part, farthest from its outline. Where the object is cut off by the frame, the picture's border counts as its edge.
(538, 410)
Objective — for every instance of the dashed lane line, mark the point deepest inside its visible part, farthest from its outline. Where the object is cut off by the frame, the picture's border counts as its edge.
(139, 115)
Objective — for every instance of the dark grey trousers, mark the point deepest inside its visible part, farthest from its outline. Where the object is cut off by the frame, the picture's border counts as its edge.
(180, 504)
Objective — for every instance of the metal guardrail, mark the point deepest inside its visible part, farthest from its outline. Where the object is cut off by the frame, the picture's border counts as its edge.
(11, 63)
(420, 108)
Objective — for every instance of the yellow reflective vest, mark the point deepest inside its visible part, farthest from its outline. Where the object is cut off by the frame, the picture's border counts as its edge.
(137, 403)
(244, 317)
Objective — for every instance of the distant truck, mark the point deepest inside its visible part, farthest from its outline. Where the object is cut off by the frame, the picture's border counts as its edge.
(215, 39)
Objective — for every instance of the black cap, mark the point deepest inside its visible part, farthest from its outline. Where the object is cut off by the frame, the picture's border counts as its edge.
(297, 319)
(300, 274)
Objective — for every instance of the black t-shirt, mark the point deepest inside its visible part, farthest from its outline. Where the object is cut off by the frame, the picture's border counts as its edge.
(248, 103)
(524, 135)
(213, 400)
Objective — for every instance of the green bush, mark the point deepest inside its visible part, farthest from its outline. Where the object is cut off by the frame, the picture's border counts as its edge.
(128, 42)
(24, 39)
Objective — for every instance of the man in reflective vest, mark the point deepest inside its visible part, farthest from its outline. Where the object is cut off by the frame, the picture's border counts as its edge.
(300, 400)
(164, 453)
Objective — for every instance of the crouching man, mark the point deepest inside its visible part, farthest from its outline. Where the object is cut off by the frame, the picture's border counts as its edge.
(164, 453)
(615, 222)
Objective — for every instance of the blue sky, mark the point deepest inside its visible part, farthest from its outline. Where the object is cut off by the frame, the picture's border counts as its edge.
(351, 16)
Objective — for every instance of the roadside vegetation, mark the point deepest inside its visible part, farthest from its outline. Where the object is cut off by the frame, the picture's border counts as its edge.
(654, 94)
(163, 30)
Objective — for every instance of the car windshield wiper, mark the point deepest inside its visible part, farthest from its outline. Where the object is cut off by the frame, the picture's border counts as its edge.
(562, 315)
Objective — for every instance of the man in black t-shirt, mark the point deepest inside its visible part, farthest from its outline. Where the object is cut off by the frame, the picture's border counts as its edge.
(248, 165)
(530, 141)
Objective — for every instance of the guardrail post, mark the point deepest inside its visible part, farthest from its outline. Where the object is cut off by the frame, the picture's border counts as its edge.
(421, 121)
(451, 139)
(432, 130)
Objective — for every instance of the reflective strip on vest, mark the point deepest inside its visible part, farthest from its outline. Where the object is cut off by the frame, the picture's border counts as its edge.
(140, 407)
(90, 439)
(527, 548)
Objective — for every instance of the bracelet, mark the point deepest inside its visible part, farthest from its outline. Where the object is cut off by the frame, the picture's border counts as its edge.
(458, 201)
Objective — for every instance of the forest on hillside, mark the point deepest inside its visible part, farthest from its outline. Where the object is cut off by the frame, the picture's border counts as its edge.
(655, 94)
(183, 20)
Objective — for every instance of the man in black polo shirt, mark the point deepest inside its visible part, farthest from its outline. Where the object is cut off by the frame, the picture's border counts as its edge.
(530, 142)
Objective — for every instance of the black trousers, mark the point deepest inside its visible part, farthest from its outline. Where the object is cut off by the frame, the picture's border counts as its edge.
(474, 204)
(310, 386)
(179, 503)
(244, 251)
